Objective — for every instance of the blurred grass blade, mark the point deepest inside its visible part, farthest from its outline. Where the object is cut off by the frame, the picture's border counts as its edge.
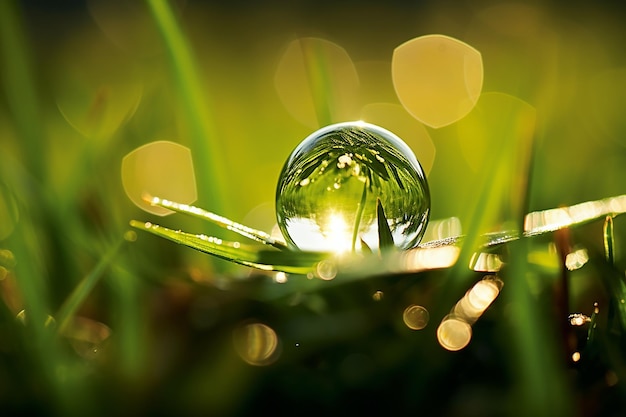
(547, 221)
(220, 221)
(269, 260)
(592, 324)
(84, 288)
(194, 104)
(385, 239)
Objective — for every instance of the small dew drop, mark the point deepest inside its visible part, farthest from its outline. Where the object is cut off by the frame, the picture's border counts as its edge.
(377, 296)
(575, 356)
(147, 225)
(280, 277)
(578, 319)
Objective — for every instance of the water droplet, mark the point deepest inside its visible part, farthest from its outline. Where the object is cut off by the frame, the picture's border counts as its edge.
(578, 319)
(378, 296)
(327, 191)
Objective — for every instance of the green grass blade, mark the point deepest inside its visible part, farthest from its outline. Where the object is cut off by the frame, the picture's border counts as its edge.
(385, 239)
(84, 288)
(269, 260)
(220, 221)
(194, 104)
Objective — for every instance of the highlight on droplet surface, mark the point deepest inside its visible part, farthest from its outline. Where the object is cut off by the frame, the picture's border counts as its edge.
(438, 79)
(326, 198)
(453, 333)
(578, 319)
(415, 317)
(317, 82)
(256, 343)
(163, 169)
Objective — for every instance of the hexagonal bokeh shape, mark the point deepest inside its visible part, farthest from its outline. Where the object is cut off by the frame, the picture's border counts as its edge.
(163, 169)
(438, 79)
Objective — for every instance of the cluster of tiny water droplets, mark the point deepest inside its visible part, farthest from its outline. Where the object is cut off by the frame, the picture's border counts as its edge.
(328, 189)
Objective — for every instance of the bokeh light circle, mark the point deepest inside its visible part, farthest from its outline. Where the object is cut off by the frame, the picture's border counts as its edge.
(438, 79)
(256, 343)
(415, 317)
(453, 333)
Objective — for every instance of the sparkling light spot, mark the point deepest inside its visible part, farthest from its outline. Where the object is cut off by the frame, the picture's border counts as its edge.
(578, 319)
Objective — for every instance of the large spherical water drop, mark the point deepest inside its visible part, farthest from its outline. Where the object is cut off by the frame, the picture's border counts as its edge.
(326, 199)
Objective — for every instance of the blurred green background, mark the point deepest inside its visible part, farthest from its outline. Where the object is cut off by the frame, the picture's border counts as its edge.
(86, 82)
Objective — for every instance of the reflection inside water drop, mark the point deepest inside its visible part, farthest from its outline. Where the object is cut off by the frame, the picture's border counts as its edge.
(327, 191)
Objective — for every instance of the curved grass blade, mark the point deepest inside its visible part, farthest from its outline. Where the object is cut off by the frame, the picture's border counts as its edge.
(269, 260)
(220, 221)
(83, 289)
(385, 239)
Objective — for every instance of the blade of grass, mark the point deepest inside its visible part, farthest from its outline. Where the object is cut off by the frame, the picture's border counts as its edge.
(195, 107)
(220, 221)
(269, 260)
(385, 239)
(83, 289)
